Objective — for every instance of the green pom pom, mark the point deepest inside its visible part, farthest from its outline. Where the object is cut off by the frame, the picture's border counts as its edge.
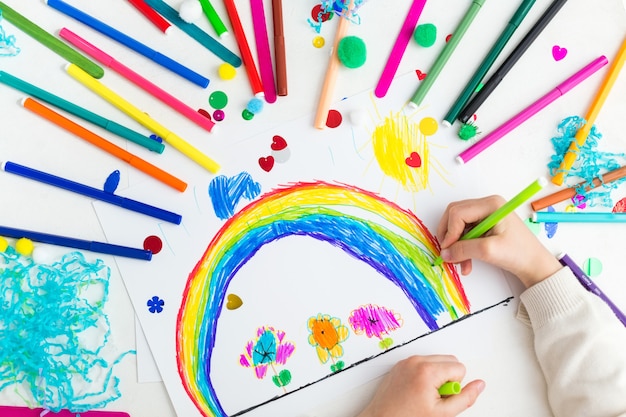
(468, 131)
(351, 51)
(425, 35)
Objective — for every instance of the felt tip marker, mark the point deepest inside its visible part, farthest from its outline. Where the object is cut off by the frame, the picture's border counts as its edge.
(578, 217)
(70, 242)
(450, 388)
(589, 285)
(507, 208)
(92, 192)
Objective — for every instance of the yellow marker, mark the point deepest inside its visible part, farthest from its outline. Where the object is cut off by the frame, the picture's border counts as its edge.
(169, 137)
(581, 135)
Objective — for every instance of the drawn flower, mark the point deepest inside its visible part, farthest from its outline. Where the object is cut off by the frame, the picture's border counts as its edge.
(327, 334)
(267, 350)
(375, 321)
(155, 304)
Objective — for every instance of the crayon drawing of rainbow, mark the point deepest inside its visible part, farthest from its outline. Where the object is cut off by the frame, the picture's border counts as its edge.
(364, 225)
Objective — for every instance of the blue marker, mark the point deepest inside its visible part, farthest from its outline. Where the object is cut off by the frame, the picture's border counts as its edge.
(70, 242)
(578, 217)
(85, 190)
(131, 43)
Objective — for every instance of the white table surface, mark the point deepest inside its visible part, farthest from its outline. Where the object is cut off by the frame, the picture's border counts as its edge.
(503, 355)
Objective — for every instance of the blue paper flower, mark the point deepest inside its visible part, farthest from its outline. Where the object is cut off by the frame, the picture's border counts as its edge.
(155, 304)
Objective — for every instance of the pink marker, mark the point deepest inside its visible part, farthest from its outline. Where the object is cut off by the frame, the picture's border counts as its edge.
(6, 411)
(531, 110)
(266, 69)
(136, 79)
(406, 32)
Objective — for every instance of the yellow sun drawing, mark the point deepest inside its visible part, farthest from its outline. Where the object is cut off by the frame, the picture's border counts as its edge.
(402, 149)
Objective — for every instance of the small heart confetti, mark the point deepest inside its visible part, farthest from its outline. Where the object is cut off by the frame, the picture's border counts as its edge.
(278, 143)
(558, 53)
(233, 302)
(266, 163)
(420, 75)
(414, 160)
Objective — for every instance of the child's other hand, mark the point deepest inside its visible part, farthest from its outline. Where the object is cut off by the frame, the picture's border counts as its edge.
(412, 389)
(510, 245)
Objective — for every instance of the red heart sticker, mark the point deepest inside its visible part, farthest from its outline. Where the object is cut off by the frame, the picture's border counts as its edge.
(414, 161)
(278, 143)
(266, 163)
(420, 75)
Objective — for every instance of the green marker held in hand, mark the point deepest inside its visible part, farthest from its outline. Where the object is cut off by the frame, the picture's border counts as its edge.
(450, 388)
(494, 218)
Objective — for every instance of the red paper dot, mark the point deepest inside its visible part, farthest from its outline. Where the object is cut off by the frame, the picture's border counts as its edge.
(620, 206)
(153, 244)
(204, 113)
(448, 38)
(315, 14)
(334, 119)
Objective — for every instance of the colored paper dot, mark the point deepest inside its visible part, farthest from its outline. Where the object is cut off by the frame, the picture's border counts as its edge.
(218, 115)
(425, 35)
(153, 243)
(247, 114)
(448, 38)
(592, 267)
(351, 51)
(226, 71)
(620, 206)
(24, 246)
(428, 126)
(204, 113)
(218, 100)
(156, 138)
(3, 244)
(319, 41)
(334, 119)
(318, 14)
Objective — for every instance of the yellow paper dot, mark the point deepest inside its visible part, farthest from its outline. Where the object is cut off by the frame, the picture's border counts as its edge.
(428, 126)
(3, 244)
(570, 208)
(226, 71)
(24, 246)
(319, 41)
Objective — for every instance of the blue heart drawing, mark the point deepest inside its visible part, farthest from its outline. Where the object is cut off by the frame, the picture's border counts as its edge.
(226, 193)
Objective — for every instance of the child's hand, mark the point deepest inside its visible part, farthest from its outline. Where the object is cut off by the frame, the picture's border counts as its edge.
(510, 245)
(412, 389)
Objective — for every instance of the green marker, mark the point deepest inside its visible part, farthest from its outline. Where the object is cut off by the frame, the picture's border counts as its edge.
(50, 42)
(450, 388)
(492, 55)
(490, 221)
(109, 125)
(214, 18)
(446, 53)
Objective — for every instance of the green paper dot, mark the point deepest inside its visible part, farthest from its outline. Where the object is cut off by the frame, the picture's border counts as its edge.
(218, 100)
(351, 51)
(247, 114)
(425, 35)
(592, 267)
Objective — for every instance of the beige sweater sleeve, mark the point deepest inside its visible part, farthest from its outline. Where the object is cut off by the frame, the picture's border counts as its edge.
(580, 345)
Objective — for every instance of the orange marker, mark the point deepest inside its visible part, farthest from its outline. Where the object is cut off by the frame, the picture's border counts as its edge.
(104, 144)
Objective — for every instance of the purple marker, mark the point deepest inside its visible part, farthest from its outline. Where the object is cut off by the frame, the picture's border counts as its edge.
(590, 285)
